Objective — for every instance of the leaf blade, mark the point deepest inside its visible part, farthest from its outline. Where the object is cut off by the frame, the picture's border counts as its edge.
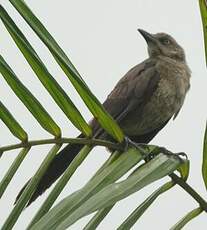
(101, 214)
(54, 89)
(106, 176)
(139, 211)
(12, 170)
(96, 108)
(184, 169)
(159, 167)
(203, 11)
(12, 124)
(187, 218)
(60, 184)
(27, 193)
(96, 220)
(32, 104)
(111, 193)
(204, 162)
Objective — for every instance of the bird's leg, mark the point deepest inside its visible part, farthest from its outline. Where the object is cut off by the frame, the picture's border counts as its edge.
(140, 146)
(147, 152)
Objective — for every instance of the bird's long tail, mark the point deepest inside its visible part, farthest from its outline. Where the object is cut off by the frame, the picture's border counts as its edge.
(54, 171)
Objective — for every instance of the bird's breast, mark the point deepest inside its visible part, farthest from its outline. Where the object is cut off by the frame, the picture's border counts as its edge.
(165, 102)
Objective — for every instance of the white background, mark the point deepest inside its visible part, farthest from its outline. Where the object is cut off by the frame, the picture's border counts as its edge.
(101, 39)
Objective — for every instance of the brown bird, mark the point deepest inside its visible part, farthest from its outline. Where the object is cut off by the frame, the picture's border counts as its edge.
(142, 102)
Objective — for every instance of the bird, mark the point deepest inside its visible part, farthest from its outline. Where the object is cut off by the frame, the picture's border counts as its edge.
(142, 102)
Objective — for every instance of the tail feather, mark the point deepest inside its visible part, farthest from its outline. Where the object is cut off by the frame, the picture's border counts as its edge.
(54, 171)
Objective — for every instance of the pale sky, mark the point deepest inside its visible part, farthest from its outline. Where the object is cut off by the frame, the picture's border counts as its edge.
(101, 39)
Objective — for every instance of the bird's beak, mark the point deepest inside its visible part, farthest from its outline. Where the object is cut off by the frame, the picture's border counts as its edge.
(149, 38)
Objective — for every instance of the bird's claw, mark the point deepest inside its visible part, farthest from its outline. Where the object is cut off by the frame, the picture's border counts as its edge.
(182, 154)
(167, 152)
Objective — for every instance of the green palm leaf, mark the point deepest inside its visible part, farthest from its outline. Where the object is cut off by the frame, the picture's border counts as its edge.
(203, 11)
(29, 100)
(12, 170)
(26, 195)
(11, 122)
(157, 168)
(187, 218)
(204, 163)
(55, 90)
(88, 97)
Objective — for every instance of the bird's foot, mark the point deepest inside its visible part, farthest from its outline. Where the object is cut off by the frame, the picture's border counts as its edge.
(140, 146)
(169, 153)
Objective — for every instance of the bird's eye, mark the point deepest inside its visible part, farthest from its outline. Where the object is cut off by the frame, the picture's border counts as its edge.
(166, 41)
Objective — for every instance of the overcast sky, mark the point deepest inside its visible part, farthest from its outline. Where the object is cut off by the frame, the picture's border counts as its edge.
(101, 39)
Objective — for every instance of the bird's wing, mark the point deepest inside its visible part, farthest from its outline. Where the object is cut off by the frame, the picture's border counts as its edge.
(134, 90)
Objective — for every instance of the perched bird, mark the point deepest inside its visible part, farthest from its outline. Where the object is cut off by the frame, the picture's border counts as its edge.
(142, 102)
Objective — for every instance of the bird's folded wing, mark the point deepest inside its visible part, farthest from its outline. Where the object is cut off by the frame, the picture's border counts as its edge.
(133, 91)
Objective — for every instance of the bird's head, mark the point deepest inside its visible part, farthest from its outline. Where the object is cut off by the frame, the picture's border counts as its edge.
(162, 44)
